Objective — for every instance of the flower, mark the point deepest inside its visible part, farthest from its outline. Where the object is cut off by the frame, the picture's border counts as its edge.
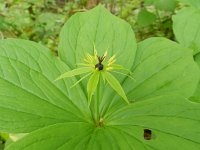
(96, 66)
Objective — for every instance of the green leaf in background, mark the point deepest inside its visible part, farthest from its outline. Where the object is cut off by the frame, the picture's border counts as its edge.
(145, 18)
(194, 3)
(186, 26)
(125, 128)
(166, 5)
(48, 20)
(148, 2)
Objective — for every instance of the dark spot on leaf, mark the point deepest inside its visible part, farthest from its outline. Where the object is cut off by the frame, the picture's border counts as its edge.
(147, 134)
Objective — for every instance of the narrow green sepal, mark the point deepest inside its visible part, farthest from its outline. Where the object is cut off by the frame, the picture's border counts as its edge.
(120, 67)
(114, 83)
(123, 74)
(85, 76)
(74, 72)
(92, 85)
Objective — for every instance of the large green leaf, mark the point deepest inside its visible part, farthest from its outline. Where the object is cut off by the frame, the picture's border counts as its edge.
(174, 122)
(29, 97)
(97, 27)
(161, 66)
(100, 28)
(186, 26)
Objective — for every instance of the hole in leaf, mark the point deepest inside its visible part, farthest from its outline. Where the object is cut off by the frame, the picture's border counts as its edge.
(147, 134)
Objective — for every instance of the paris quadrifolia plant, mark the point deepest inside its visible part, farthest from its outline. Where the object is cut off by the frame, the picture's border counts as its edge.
(96, 67)
(95, 104)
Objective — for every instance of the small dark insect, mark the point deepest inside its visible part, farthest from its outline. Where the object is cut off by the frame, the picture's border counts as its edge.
(147, 134)
(100, 65)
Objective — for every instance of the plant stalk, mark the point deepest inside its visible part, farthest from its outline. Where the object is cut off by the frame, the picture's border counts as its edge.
(97, 103)
(94, 106)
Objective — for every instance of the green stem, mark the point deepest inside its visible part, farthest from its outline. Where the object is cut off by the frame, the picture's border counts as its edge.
(94, 106)
(97, 102)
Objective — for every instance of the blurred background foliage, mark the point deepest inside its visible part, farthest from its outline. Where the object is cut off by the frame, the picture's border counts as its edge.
(42, 20)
